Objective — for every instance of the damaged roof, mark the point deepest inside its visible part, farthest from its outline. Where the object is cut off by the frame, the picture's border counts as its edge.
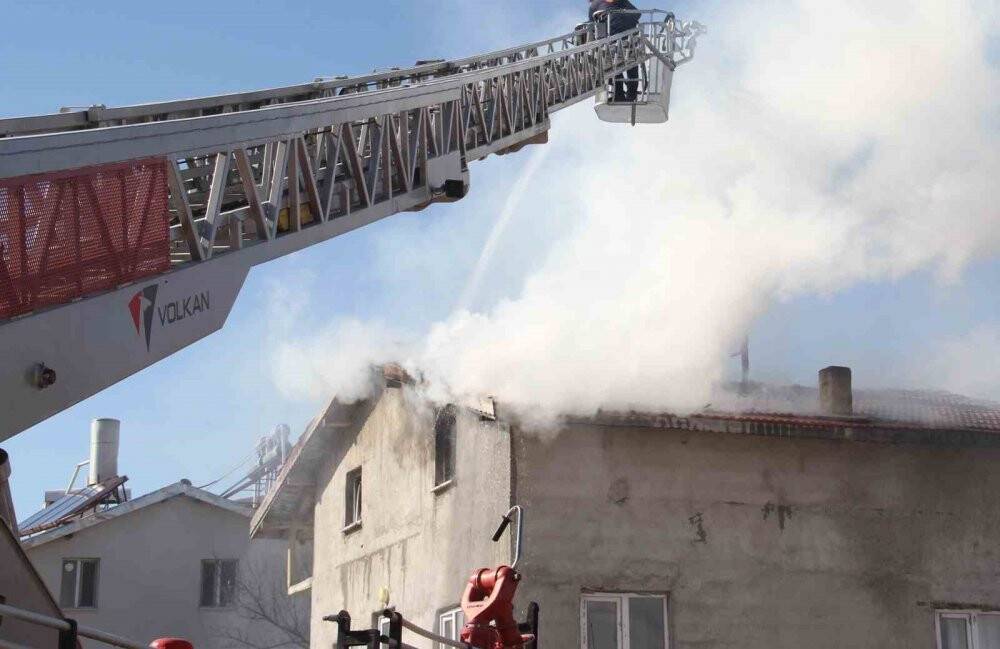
(293, 491)
(892, 416)
(887, 416)
(919, 407)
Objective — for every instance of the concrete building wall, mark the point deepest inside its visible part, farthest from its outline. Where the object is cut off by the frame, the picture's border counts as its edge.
(419, 545)
(761, 543)
(150, 569)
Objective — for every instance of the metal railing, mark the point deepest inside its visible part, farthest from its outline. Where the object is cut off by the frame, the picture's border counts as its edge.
(64, 626)
(97, 116)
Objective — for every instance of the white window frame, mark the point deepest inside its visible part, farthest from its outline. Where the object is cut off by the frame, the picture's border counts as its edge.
(622, 599)
(78, 580)
(971, 616)
(451, 614)
(353, 499)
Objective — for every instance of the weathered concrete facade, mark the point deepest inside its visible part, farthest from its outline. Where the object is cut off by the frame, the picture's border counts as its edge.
(761, 531)
(419, 543)
(759, 542)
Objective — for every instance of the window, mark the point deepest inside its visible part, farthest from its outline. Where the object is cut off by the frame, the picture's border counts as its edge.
(444, 446)
(79, 583)
(450, 623)
(352, 500)
(218, 583)
(968, 630)
(623, 621)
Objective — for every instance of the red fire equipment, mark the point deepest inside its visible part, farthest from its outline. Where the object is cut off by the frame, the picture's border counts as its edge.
(488, 604)
(488, 600)
(170, 643)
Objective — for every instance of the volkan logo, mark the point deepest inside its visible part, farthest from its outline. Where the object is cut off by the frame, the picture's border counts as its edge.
(142, 306)
(145, 312)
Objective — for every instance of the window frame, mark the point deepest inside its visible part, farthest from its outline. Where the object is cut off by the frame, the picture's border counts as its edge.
(453, 611)
(353, 499)
(78, 581)
(444, 472)
(217, 603)
(971, 617)
(621, 600)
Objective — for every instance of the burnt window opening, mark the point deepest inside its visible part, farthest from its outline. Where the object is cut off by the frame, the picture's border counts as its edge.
(352, 499)
(444, 446)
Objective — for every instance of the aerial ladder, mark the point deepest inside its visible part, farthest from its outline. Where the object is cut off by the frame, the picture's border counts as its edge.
(126, 233)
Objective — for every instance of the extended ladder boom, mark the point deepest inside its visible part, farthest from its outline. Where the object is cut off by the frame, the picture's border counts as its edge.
(127, 233)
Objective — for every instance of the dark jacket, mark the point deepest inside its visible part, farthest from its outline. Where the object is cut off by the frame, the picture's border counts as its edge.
(621, 22)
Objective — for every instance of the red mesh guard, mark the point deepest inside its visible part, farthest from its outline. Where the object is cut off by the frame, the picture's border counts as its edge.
(68, 234)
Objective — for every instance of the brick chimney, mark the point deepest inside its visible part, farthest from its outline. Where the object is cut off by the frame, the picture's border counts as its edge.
(835, 394)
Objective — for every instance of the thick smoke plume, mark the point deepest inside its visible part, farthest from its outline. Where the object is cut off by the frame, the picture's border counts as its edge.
(811, 146)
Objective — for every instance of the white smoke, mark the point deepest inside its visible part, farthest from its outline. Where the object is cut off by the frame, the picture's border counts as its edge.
(965, 364)
(811, 146)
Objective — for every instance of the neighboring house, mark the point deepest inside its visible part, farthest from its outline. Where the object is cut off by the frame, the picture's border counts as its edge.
(172, 563)
(790, 518)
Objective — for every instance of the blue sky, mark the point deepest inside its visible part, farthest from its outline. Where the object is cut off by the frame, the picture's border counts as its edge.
(186, 417)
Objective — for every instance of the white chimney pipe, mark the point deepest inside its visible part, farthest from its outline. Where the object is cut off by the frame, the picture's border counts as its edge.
(104, 434)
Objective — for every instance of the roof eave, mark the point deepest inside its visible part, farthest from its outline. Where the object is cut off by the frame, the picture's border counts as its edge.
(297, 476)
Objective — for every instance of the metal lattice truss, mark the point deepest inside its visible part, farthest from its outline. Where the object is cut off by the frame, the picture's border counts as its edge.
(237, 180)
(256, 167)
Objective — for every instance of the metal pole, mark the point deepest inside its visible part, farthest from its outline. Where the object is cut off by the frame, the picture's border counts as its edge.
(504, 522)
(63, 625)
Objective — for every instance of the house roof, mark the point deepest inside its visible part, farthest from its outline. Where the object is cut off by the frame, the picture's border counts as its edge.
(296, 482)
(178, 489)
(894, 416)
(72, 504)
(913, 407)
(294, 488)
(888, 416)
